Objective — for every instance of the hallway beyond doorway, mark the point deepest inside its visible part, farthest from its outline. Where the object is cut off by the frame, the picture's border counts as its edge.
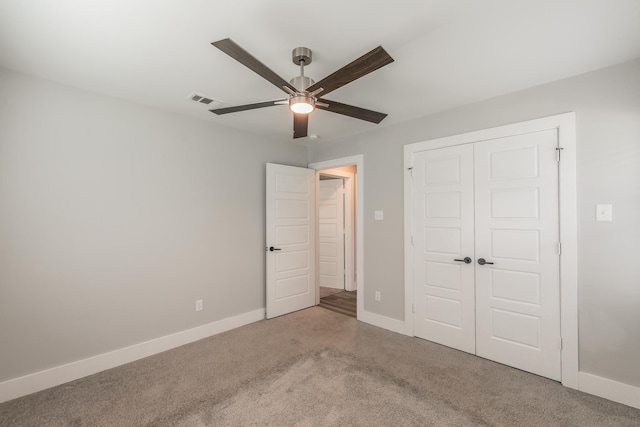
(340, 301)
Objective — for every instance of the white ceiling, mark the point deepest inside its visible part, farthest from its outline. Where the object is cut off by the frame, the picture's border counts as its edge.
(447, 52)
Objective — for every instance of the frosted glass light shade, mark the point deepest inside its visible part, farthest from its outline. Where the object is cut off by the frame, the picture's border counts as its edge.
(302, 104)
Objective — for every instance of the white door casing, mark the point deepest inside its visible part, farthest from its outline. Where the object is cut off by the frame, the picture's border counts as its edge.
(290, 223)
(331, 268)
(516, 228)
(363, 315)
(443, 233)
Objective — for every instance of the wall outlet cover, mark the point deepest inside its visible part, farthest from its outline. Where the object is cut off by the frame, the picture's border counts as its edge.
(604, 212)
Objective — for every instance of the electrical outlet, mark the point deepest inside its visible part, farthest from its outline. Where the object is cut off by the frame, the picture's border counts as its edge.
(377, 295)
(604, 213)
(198, 305)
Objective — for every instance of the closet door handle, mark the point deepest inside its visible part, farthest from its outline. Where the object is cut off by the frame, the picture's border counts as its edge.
(482, 261)
(271, 248)
(466, 260)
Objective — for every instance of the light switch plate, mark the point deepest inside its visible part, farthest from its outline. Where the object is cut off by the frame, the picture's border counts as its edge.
(378, 215)
(604, 213)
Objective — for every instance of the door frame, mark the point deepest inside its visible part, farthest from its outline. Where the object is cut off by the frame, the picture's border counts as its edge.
(358, 162)
(565, 125)
(350, 282)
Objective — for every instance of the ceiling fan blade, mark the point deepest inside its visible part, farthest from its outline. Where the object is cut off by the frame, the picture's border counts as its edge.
(232, 49)
(362, 66)
(245, 107)
(351, 111)
(300, 125)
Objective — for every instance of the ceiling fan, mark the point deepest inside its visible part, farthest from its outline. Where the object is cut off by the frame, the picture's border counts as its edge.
(305, 95)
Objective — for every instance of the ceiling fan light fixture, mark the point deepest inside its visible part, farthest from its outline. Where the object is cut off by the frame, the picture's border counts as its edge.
(302, 104)
(302, 91)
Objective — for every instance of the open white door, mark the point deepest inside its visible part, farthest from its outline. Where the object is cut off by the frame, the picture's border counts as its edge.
(290, 239)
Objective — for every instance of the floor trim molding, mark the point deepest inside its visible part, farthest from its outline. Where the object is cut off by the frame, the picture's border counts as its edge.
(609, 389)
(31, 383)
(384, 322)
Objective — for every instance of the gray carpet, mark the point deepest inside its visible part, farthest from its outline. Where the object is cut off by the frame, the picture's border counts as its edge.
(309, 368)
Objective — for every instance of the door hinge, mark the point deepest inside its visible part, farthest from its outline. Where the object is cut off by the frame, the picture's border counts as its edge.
(561, 343)
(413, 308)
(558, 150)
(412, 244)
(559, 248)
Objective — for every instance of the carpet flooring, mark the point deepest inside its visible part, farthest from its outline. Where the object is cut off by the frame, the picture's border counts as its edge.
(314, 368)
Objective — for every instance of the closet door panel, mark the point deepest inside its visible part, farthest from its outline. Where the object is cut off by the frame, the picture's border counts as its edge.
(442, 233)
(516, 229)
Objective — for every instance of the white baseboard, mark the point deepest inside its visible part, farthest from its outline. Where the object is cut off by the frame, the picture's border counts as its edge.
(37, 381)
(21, 386)
(384, 322)
(588, 383)
(609, 389)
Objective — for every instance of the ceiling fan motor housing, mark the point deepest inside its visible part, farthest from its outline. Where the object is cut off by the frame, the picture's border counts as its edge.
(301, 54)
(301, 83)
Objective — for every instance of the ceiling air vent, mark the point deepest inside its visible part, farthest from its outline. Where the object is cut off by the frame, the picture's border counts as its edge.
(203, 99)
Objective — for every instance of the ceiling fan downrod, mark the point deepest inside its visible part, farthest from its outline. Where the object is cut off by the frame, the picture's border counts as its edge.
(301, 56)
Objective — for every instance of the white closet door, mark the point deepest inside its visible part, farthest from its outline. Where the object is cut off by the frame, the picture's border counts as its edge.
(516, 229)
(442, 233)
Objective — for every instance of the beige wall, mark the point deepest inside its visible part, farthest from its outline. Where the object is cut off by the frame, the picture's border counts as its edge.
(607, 105)
(115, 218)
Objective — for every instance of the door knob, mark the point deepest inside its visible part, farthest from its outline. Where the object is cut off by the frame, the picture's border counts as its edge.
(271, 248)
(482, 261)
(466, 260)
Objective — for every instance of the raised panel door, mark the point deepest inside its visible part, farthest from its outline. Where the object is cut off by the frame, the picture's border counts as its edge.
(442, 233)
(516, 229)
(290, 239)
(331, 233)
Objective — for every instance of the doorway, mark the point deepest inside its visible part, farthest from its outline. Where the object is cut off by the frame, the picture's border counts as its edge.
(349, 297)
(336, 255)
(291, 235)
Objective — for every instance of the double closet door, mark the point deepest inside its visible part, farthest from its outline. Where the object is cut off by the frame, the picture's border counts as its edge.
(486, 250)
